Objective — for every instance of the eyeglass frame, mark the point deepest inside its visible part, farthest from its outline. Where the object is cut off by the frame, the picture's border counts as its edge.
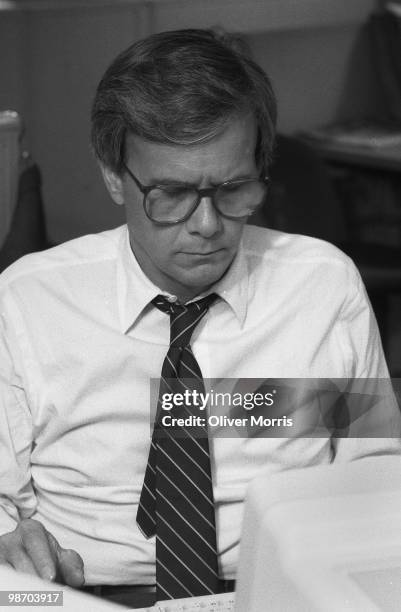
(202, 193)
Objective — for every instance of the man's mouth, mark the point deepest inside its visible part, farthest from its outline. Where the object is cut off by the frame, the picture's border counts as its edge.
(202, 253)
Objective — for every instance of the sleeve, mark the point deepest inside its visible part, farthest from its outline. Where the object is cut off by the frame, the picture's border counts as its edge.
(17, 498)
(375, 418)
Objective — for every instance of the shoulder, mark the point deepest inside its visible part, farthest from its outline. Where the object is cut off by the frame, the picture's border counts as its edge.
(271, 244)
(80, 254)
(283, 251)
(294, 260)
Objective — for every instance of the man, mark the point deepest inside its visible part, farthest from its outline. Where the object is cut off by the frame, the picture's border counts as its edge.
(183, 129)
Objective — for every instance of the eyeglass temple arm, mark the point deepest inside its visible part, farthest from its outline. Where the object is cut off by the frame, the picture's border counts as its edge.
(144, 189)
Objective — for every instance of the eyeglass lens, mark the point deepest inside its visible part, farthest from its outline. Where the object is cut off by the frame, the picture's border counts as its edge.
(173, 203)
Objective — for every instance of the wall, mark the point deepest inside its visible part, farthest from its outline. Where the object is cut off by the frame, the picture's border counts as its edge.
(70, 51)
(12, 62)
(53, 61)
(319, 74)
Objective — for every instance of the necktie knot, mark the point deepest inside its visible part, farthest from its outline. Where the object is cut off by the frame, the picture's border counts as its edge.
(183, 317)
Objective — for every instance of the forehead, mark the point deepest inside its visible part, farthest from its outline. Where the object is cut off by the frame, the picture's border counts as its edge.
(225, 156)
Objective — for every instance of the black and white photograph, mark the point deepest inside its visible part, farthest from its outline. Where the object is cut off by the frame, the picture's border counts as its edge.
(200, 305)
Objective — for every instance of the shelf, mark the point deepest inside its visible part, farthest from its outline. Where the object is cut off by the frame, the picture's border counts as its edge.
(377, 158)
(236, 15)
(59, 5)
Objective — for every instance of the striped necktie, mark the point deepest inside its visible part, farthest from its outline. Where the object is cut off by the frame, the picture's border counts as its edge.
(176, 502)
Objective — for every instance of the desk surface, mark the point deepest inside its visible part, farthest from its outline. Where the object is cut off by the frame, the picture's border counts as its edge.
(379, 158)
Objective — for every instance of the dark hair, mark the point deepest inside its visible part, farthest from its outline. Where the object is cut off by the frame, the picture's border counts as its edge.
(180, 87)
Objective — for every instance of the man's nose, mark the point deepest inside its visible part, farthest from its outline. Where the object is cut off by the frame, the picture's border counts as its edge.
(205, 220)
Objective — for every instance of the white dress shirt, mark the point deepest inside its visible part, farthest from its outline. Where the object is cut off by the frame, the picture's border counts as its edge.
(79, 342)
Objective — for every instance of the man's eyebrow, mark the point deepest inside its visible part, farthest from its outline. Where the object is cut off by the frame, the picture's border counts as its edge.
(169, 181)
(237, 177)
(175, 181)
(241, 176)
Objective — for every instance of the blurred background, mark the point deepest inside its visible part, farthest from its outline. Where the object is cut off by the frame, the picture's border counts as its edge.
(336, 69)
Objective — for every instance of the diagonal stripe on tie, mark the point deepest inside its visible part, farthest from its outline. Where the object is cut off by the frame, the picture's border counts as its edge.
(187, 529)
(182, 450)
(176, 502)
(188, 329)
(193, 578)
(190, 477)
(187, 545)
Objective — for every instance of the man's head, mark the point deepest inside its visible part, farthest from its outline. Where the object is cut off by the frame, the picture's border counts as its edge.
(187, 107)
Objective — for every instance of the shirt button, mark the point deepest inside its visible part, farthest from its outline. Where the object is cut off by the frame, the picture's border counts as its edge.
(172, 299)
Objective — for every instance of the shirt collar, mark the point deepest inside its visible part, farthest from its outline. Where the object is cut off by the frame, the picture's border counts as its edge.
(135, 291)
(233, 286)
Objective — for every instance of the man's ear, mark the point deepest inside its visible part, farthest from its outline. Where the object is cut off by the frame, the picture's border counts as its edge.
(113, 183)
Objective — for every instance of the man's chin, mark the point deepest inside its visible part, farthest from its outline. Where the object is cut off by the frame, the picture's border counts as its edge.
(205, 275)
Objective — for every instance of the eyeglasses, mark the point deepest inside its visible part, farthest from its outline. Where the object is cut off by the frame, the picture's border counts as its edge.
(173, 203)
